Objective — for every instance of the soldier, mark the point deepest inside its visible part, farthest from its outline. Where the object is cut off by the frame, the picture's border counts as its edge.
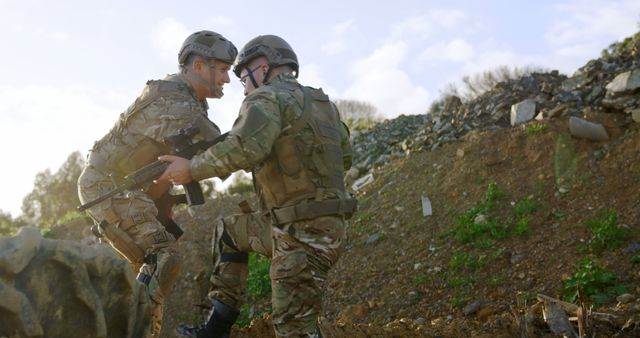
(164, 107)
(292, 139)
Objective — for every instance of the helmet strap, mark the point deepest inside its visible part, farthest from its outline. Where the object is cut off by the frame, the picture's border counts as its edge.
(253, 79)
(267, 74)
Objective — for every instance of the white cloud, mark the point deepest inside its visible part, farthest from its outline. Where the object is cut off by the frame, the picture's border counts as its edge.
(311, 75)
(426, 25)
(584, 28)
(41, 125)
(458, 50)
(378, 79)
(337, 42)
(167, 37)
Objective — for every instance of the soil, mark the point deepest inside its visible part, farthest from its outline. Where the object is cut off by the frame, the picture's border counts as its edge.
(396, 279)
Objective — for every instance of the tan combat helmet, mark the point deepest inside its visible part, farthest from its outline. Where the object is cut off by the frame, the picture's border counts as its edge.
(274, 48)
(207, 44)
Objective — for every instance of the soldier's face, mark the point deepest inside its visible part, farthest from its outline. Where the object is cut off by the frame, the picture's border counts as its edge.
(218, 76)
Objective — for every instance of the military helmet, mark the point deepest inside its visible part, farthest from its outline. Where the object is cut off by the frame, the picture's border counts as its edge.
(207, 44)
(274, 48)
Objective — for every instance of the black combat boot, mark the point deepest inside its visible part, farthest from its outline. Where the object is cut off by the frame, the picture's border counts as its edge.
(221, 319)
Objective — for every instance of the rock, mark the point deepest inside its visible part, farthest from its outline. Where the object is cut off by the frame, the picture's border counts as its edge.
(523, 111)
(635, 115)
(480, 218)
(426, 206)
(625, 298)
(460, 153)
(631, 248)
(372, 239)
(362, 182)
(515, 258)
(587, 130)
(625, 82)
(417, 266)
(471, 308)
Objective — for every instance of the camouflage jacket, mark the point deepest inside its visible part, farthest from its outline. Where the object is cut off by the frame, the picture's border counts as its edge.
(264, 115)
(164, 107)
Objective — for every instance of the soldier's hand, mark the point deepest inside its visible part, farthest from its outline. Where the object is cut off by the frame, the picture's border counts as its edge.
(179, 170)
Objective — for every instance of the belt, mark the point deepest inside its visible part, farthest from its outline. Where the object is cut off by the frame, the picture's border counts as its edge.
(314, 209)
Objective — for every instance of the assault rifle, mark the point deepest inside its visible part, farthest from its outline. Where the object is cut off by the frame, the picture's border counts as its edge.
(181, 145)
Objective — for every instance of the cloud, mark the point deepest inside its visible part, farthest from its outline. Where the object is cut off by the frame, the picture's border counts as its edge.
(426, 25)
(42, 125)
(337, 42)
(583, 28)
(167, 37)
(457, 50)
(311, 75)
(378, 79)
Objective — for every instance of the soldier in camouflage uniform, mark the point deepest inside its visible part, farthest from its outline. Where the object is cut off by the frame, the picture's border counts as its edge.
(292, 139)
(129, 221)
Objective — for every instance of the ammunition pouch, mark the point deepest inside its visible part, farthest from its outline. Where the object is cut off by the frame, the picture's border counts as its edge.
(314, 209)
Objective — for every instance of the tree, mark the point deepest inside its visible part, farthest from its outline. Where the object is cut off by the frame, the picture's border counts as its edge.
(6, 224)
(53, 195)
(357, 115)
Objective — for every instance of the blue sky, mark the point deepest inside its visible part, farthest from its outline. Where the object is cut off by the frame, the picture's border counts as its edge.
(70, 67)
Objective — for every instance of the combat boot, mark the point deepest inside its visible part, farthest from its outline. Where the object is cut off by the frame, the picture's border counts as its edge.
(218, 325)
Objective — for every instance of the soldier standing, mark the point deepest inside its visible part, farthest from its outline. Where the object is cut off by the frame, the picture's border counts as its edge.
(163, 109)
(292, 139)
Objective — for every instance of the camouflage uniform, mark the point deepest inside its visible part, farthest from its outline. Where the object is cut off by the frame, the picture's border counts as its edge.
(271, 132)
(163, 108)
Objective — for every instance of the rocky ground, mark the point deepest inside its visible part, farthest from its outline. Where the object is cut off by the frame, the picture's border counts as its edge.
(511, 213)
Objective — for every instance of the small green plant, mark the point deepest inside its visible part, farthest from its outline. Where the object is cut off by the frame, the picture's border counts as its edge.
(258, 288)
(605, 232)
(593, 282)
(468, 229)
(525, 207)
(537, 128)
(463, 261)
(522, 226)
(420, 280)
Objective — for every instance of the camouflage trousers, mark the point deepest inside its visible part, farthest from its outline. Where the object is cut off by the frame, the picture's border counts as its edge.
(301, 255)
(132, 229)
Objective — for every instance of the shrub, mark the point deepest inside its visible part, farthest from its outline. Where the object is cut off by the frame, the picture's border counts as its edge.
(593, 282)
(605, 232)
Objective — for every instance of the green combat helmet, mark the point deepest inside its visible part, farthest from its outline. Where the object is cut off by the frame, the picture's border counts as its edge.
(274, 48)
(209, 45)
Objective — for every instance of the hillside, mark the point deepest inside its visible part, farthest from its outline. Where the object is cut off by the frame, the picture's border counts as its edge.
(514, 210)
(517, 211)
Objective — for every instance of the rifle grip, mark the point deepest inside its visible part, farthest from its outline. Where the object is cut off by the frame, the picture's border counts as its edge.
(194, 193)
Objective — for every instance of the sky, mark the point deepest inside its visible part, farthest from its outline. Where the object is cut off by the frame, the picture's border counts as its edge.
(69, 68)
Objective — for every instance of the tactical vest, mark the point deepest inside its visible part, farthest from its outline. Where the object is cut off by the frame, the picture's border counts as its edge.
(306, 160)
(122, 151)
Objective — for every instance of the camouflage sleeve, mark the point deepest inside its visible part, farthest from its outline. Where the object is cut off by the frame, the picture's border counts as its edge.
(250, 140)
(167, 115)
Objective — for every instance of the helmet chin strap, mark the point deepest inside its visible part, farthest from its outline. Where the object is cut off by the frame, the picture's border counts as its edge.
(253, 79)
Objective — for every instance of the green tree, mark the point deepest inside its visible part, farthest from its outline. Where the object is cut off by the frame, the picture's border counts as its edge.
(53, 195)
(6, 224)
